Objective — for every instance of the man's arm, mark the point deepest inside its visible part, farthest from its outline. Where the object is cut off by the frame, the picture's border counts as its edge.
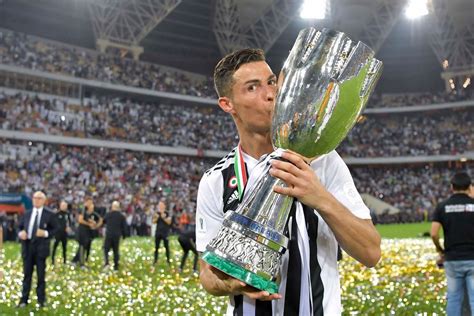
(99, 223)
(358, 237)
(167, 220)
(81, 220)
(22, 234)
(123, 226)
(435, 226)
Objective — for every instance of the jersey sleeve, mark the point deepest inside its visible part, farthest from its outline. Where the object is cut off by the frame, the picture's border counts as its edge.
(209, 211)
(437, 214)
(340, 184)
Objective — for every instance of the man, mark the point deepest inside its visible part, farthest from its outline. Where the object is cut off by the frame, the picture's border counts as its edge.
(456, 216)
(247, 89)
(163, 226)
(64, 224)
(36, 228)
(115, 227)
(187, 241)
(88, 221)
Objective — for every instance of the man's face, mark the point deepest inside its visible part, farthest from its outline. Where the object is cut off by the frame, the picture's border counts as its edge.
(89, 206)
(38, 200)
(63, 206)
(162, 207)
(253, 96)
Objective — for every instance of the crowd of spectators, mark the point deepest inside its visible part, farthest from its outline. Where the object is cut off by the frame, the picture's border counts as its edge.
(30, 52)
(138, 180)
(426, 98)
(38, 54)
(444, 132)
(414, 190)
(123, 120)
(408, 134)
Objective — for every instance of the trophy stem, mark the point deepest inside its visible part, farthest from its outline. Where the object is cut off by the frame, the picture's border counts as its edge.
(252, 239)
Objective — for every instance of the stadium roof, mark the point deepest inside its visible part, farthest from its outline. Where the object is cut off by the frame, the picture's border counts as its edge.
(185, 39)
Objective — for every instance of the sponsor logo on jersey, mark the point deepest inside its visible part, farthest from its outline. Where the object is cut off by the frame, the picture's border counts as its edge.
(233, 197)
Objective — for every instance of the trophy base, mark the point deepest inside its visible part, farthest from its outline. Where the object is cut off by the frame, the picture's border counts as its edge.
(240, 273)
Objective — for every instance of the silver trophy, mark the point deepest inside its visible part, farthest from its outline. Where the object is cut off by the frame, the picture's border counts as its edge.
(323, 87)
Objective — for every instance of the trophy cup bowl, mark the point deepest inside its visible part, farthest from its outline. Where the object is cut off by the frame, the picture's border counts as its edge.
(323, 87)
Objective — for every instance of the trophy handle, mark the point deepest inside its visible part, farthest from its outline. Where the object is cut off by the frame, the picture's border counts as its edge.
(375, 71)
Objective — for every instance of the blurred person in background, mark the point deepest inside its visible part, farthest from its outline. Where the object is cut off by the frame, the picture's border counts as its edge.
(163, 225)
(187, 240)
(88, 221)
(37, 226)
(64, 227)
(456, 216)
(115, 228)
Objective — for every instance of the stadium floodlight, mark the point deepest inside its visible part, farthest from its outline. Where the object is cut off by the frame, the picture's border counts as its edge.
(466, 83)
(445, 64)
(451, 84)
(314, 9)
(416, 9)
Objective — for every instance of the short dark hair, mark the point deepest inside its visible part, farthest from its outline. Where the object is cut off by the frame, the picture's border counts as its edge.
(461, 181)
(229, 64)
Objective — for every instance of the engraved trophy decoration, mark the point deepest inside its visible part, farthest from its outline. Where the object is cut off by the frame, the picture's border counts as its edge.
(324, 85)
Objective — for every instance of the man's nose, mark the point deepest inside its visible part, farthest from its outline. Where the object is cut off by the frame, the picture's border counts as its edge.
(271, 93)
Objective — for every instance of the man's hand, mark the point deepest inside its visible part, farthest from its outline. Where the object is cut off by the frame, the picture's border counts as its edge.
(40, 233)
(218, 283)
(302, 182)
(358, 237)
(237, 287)
(23, 235)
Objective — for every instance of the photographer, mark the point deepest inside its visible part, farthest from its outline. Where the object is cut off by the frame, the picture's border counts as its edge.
(456, 216)
(163, 225)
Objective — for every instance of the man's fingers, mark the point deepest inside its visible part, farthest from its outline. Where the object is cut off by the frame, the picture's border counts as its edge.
(283, 190)
(288, 178)
(286, 166)
(262, 295)
(295, 159)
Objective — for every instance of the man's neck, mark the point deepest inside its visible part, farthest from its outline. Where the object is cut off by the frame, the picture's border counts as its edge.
(256, 145)
(461, 192)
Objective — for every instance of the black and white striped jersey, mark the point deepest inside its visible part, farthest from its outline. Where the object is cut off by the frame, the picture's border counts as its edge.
(321, 293)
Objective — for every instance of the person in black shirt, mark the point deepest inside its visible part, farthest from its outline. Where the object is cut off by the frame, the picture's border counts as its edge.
(456, 216)
(116, 227)
(64, 223)
(88, 221)
(187, 240)
(163, 225)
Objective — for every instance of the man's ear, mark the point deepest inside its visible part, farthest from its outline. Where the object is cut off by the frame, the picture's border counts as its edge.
(226, 105)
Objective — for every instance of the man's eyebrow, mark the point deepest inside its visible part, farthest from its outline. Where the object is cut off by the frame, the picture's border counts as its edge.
(252, 81)
(272, 76)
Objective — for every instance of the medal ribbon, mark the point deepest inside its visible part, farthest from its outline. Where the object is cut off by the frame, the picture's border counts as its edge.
(240, 171)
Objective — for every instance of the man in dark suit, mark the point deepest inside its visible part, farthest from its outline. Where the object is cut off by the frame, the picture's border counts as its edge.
(115, 228)
(36, 228)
